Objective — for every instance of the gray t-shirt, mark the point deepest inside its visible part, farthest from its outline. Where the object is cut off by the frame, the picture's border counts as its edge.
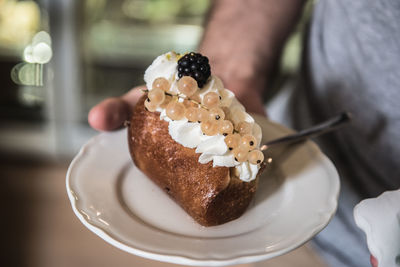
(352, 63)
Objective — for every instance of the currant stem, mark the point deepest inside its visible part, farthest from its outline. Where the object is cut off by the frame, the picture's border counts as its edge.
(179, 96)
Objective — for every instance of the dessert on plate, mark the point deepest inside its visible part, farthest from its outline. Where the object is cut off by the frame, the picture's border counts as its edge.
(193, 138)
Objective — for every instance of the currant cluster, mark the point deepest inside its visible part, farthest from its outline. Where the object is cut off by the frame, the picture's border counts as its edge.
(157, 97)
(213, 118)
(243, 146)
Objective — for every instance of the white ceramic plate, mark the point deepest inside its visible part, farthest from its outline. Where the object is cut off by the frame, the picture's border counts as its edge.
(296, 199)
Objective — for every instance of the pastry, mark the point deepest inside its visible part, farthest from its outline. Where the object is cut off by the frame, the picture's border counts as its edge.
(194, 139)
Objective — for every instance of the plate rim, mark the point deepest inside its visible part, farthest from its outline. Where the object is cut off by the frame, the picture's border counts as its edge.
(184, 259)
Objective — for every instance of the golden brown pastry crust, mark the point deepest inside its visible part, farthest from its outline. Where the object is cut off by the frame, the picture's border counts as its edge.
(206, 193)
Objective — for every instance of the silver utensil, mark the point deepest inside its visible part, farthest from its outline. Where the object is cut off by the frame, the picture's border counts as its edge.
(319, 129)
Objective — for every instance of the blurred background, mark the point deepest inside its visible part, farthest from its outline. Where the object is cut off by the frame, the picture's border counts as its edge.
(98, 48)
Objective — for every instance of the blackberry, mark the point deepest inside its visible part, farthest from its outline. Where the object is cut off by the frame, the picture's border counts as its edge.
(196, 66)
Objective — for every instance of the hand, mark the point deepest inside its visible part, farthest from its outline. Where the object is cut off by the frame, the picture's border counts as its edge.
(250, 97)
(374, 261)
(111, 113)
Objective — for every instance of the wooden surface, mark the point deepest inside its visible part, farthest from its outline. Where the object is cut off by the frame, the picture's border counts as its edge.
(39, 229)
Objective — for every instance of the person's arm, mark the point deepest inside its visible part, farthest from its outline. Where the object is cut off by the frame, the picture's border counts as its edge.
(242, 40)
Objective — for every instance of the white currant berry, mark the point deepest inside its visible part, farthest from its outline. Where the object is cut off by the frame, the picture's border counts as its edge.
(175, 110)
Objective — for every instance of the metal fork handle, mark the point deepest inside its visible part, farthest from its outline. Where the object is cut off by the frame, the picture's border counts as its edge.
(319, 129)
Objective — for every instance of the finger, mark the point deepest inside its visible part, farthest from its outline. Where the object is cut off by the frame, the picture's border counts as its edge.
(374, 261)
(133, 95)
(109, 114)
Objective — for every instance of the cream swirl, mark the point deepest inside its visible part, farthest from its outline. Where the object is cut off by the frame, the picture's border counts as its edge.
(189, 134)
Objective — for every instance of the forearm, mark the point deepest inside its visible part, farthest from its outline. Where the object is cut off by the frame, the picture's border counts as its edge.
(244, 38)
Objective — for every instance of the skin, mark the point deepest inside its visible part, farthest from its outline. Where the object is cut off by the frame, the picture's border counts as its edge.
(374, 262)
(249, 35)
(243, 40)
(111, 113)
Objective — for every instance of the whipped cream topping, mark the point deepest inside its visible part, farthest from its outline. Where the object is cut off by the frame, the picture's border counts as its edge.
(189, 134)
